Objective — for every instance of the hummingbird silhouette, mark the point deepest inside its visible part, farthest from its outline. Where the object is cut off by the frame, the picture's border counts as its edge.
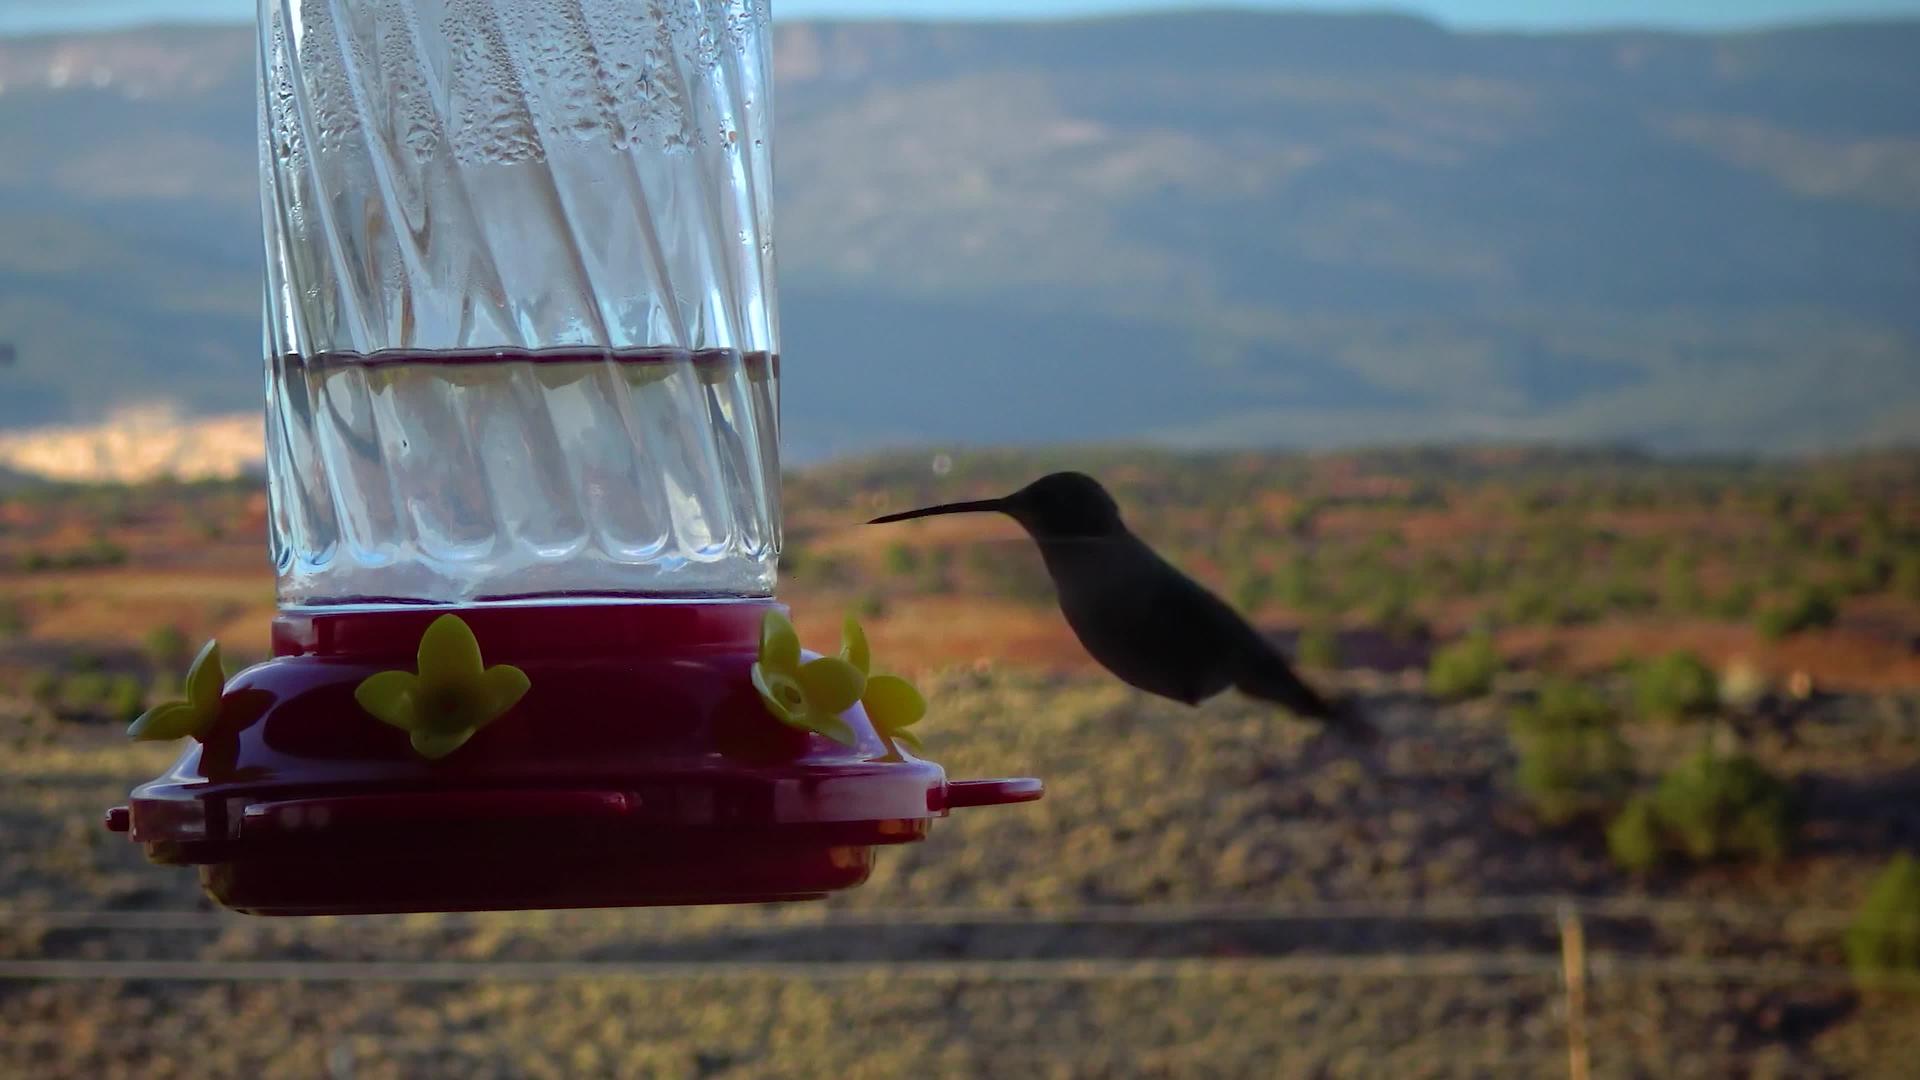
(1152, 626)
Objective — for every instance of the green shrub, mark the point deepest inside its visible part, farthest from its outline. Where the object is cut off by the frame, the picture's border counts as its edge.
(1906, 576)
(1479, 573)
(168, 648)
(793, 558)
(1883, 944)
(1634, 839)
(1863, 574)
(102, 552)
(1711, 807)
(1251, 591)
(85, 689)
(1465, 669)
(1017, 575)
(98, 552)
(901, 559)
(822, 570)
(1680, 587)
(1676, 686)
(1529, 603)
(1391, 612)
(96, 695)
(1707, 808)
(936, 576)
(1735, 603)
(1301, 518)
(125, 700)
(43, 687)
(1577, 608)
(13, 620)
(1572, 762)
(1808, 609)
(1298, 585)
(1385, 540)
(1621, 595)
(1318, 647)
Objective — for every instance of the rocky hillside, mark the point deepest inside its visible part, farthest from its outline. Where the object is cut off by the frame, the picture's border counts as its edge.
(1207, 228)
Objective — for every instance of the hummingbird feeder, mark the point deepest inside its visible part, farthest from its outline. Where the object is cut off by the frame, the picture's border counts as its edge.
(523, 463)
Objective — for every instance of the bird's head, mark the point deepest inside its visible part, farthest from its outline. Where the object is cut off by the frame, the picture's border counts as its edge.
(1060, 505)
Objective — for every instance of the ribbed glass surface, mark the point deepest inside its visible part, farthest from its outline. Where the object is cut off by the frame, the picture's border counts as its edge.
(521, 321)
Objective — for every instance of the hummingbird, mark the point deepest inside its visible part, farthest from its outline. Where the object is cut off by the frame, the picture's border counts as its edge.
(1152, 626)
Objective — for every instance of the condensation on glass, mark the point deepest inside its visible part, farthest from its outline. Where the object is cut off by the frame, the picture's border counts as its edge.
(521, 320)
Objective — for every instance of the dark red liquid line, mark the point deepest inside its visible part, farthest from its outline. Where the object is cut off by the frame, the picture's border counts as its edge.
(755, 362)
(560, 598)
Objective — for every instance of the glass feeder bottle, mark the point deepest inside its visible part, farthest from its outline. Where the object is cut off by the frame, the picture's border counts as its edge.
(521, 322)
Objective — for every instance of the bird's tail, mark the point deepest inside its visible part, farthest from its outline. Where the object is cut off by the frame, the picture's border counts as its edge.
(1349, 721)
(1267, 676)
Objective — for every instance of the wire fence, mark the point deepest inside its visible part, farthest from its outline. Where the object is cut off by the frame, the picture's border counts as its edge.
(1454, 965)
(1560, 912)
(1441, 909)
(1568, 1031)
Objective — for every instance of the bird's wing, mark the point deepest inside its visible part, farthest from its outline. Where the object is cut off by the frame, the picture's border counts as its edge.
(1143, 620)
(1255, 666)
(1193, 631)
(1202, 646)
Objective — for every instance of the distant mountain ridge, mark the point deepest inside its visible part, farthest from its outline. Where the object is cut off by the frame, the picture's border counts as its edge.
(1206, 229)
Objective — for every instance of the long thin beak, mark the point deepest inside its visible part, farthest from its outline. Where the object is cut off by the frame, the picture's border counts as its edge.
(974, 507)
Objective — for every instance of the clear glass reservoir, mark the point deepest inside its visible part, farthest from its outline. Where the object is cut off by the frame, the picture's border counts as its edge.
(521, 321)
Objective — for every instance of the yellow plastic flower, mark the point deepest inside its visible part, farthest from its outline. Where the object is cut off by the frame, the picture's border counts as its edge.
(891, 702)
(810, 696)
(453, 696)
(169, 720)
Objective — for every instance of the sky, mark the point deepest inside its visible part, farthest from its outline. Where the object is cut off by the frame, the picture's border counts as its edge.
(25, 16)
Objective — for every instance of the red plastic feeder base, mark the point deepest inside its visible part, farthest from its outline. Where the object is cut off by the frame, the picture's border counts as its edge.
(640, 769)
